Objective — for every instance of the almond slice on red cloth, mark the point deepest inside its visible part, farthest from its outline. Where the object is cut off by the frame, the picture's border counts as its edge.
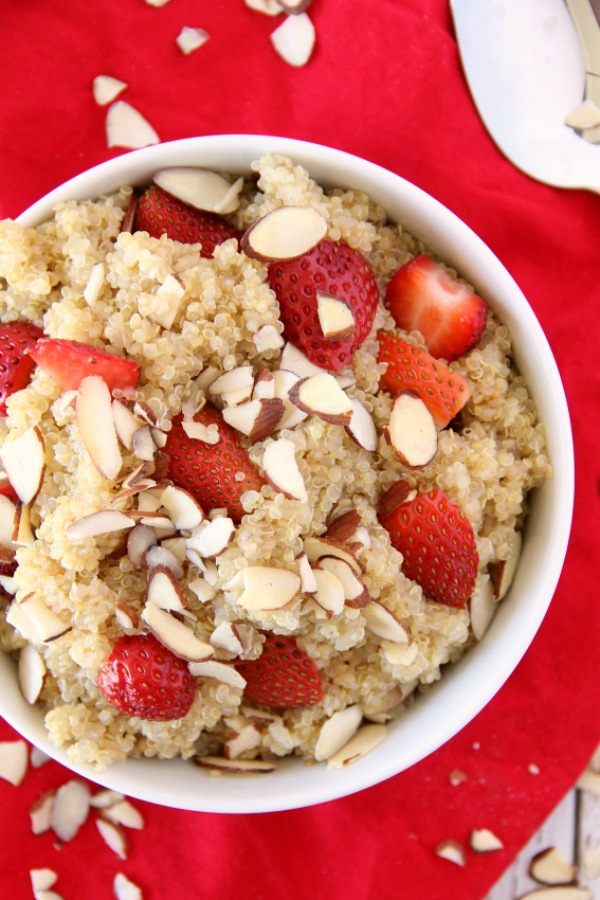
(482, 608)
(335, 317)
(114, 836)
(14, 760)
(284, 233)
(199, 187)
(267, 338)
(124, 889)
(105, 798)
(164, 590)
(281, 469)
(267, 587)
(385, 624)
(106, 88)
(183, 509)
(42, 879)
(552, 867)
(361, 427)
(96, 426)
(365, 739)
(123, 813)
(126, 127)
(174, 635)
(219, 671)
(104, 521)
(237, 766)
(355, 590)
(320, 395)
(482, 840)
(337, 731)
(412, 431)
(70, 809)
(257, 419)
(452, 851)
(31, 673)
(24, 461)
(211, 538)
(267, 7)
(294, 39)
(40, 812)
(190, 39)
(38, 758)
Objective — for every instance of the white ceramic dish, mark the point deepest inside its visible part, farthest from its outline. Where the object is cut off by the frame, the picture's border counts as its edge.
(468, 687)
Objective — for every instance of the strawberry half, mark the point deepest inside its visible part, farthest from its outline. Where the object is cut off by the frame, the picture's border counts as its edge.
(208, 471)
(422, 297)
(443, 391)
(283, 675)
(161, 213)
(141, 678)
(15, 365)
(436, 542)
(331, 268)
(69, 362)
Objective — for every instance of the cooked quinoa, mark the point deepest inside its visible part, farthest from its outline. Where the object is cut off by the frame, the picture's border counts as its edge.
(486, 467)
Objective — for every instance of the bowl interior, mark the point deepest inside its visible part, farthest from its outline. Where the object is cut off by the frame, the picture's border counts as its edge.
(467, 686)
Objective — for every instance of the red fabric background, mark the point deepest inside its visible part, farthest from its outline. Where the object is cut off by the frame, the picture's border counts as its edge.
(385, 83)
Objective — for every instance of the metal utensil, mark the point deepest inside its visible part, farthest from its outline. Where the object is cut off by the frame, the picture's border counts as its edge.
(526, 71)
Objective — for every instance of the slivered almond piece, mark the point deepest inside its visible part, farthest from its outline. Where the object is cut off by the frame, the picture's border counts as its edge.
(246, 739)
(411, 431)
(284, 233)
(399, 654)
(142, 444)
(267, 7)
(42, 879)
(219, 671)
(246, 635)
(212, 538)
(48, 625)
(284, 382)
(106, 797)
(190, 39)
(226, 637)
(126, 127)
(267, 338)
(145, 412)
(93, 288)
(22, 534)
(452, 851)
(242, 377)
(97, 427)
(559, 893)
(366, 739)
(41, 812)
(139, 541)
(106, 89)
(399, 492)
(382, 622)
(18, 618)
(123, 813)
(174, 635)
(38, 758)
(389, 701)
(8, 584)
(335, 317)
(198, 187)
(482, 840)
(177, 546)
(141, 475)
(164, 589)
(345, 381)
(343, 527)
(320, 395)
(552, 867)
(294, 39)
(307, 576)
(199, 432)
(161, 556)
(168, 299)
(361, 427)
(257, 419)
(356, 594)
(70, 809)
(264, 385)
(482, 608)
(126, 615)
(317, 547)
(266, 587)
(183, 509)
(235, 398)
(506, 568)
(24, 461)
(31, 672)
(235, 766)
(294, 360)
(7, 525)
(104, 521)
(126, 424)
(114, 836)
(14, 759)
(330, 591)
(312, 606)
(128, 220)
(230, 201)
(258, 716)
(203, 590)
(124, 889)
(281, 469)
(159, 437)
(337, 731)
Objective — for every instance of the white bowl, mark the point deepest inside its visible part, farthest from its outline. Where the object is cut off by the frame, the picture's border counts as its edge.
(466, 687)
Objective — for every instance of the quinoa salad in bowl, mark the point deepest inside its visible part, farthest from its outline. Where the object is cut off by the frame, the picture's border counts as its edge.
(266, 469)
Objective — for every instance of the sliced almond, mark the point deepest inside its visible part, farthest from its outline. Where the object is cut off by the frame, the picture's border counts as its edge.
(281, 469)
(174, 635)
(226, 637)
(235, 398)
(284, 233)
(482, 608)
(267, 338)
(267, 7)
(335, 317)
(14, 759)
(104, 798)
(159, 555)
(345, 381)
(294, 39)
(361, 427)
(18, 619)
(183, 509)
(258, 716)
(257, 419)
(212, 538)
(344, 526)
(140, 475)
(124, 813)
(42, 879)
(38, 758)
(294, 360)
(24, 461)
(23, 536)
(318, 547)
(399, 654)
(337, 731)
(366, 739)
(103, 522)
(452, 851)
(264, 385)
(106, 89)
(384, 704)
(168, 299)
(266, 587)
(177, 547)
(482, 840)
(164, 590)
(246, 635)
(412, 431)
(7, 525)
(199, 187)
(320, 395)
(203, 590)
(219, 671)
(142, 443)
(239, 378)
(114, 836)
(284, 382)
(307, 576)
(399, 492)
(248, 738)
(230, 201)
(237, 766)
(93, 288)
(199, 432)
(356, 594)
(139, 541)
(96, 426)
(47, 624)
(190, 39)
(41, 812)
(128, 222)
(311, 606)
(506, 568)
(70, 809)
(559, 893)
(126, 423)
(552, 867)
(31, 672)
(8, 584)
(382, 622)
(124, 889)
(126, 127)
(126, 615)
(330, 591)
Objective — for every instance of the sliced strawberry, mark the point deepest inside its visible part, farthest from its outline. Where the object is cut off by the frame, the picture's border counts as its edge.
(68, 362)
(443, 391)
(329, 268)
(437, 545)
(283, 675)
(422, 297)
(141, 678)
(161, 213)
(216, 474)
(15, 365)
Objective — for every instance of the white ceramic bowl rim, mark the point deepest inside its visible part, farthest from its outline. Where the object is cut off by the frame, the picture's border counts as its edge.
(467, 686)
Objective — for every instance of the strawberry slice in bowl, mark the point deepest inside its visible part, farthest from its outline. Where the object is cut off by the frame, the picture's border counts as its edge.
(69, 362)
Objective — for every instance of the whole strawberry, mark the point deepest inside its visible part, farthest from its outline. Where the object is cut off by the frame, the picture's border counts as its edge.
(328, 268)
(15, 365)
(283, 675)
(443, 391)
(216, 474)
(141, 678)
(436, 541)
(161, 213)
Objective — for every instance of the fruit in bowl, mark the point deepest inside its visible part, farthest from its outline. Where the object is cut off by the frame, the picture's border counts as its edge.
(272, 470)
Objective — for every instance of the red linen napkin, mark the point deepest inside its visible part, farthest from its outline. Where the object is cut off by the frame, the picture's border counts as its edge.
(385, 83)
